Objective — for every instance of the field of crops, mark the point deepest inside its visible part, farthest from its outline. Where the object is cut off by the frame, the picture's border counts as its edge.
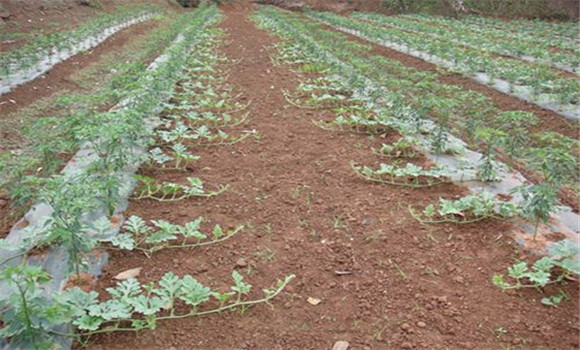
(283, 180)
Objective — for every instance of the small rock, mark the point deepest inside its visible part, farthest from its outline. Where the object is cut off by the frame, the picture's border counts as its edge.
(341, 345)
(516, 341)
(241, 263)
(406, 345)
(406, 327)
(459, 279)
(313, 301)
(131, 273)
(202, 269)
(421, 324)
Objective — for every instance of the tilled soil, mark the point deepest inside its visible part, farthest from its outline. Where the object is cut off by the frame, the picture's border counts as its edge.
(384, 281)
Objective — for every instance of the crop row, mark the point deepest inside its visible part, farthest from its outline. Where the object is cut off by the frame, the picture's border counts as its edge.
(567, 30)
(52, 141)
(37, 56)
(460, 34)
(363, 104)
(463, 113)
(75, 205)
(490, 31)
(530, 81)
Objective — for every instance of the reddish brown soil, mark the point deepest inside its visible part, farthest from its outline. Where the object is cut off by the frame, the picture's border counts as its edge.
(409, 287)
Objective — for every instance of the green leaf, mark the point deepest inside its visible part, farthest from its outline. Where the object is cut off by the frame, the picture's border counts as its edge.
(88, 323)
(429, 211)
(191, 229)
(222, 298)
(518, 270)
(147, 305)
(447, 207)
(160, 237)
(544, 264)
(123, 241)
(78, 299)
(110, 310)
(217, 232)
(194, 293)
(240, 286)
(570, 265)
(553, 300)
(564, 249)
(540, 278)
(498, 281)
(125, 289)
(136, 225)
(170, 287)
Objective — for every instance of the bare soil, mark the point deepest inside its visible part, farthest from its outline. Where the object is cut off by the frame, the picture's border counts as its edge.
(406, 286)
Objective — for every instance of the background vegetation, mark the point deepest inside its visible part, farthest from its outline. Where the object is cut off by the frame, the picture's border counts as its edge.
(543, 9)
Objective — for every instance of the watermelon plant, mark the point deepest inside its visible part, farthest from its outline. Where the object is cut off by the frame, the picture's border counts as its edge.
(466, 210)
(410, 176)
(164, 191)
(160, 234)
(556, 268)
(35, 320)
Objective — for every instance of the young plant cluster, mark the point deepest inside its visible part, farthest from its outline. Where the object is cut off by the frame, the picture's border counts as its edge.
(94, 189)
(466, 210)
(34, 320)
(555, 269)
(203, 106)
(411, 175)
(40, 319)
(161, 234)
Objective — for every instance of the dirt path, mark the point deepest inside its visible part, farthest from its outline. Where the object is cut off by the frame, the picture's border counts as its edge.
(407, 286)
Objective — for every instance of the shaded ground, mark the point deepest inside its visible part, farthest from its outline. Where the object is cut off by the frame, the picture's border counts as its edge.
(407, 286)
